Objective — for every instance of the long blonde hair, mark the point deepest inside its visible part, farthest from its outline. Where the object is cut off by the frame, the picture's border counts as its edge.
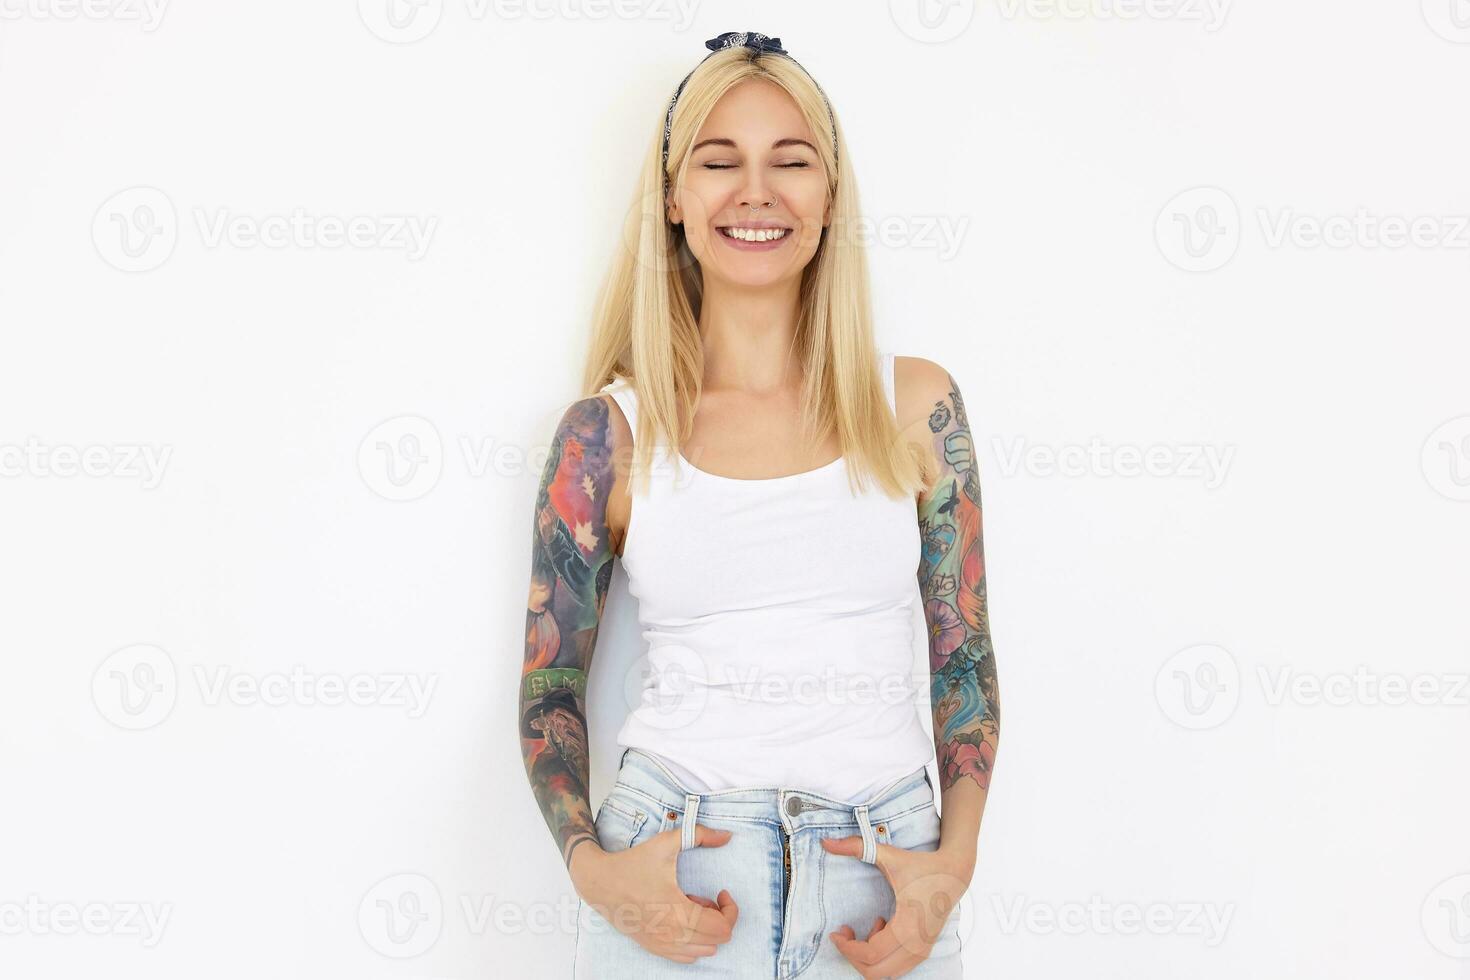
(646, 320)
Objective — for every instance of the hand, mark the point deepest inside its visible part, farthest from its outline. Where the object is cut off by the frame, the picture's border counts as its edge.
(926, 886)
(637, 890)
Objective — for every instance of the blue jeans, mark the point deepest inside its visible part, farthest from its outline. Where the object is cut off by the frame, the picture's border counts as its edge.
(777, 935)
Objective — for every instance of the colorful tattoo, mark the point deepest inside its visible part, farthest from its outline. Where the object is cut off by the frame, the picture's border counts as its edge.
(571, 565)
(966, 699)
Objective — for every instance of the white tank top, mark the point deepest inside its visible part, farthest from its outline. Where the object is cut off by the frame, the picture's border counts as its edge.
(778, 618)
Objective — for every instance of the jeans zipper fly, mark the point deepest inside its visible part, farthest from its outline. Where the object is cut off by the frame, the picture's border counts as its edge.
(786, 863)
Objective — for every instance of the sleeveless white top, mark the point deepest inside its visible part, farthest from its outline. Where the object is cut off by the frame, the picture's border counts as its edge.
(778, 617)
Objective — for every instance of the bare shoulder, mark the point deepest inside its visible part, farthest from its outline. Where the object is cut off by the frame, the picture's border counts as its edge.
(620, 432)
(924, 392)
(595, 420)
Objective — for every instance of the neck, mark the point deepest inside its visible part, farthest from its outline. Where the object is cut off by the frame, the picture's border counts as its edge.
(749, 337)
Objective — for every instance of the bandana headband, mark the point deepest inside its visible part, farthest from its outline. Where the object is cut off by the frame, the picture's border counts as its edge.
(759, 43)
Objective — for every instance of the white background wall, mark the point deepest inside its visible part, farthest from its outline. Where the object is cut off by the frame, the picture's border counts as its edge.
(1098, 214)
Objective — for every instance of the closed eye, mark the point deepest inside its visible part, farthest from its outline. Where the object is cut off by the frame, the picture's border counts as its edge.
(799, 164)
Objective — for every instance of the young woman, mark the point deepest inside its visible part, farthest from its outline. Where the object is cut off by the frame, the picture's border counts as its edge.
(772, 484)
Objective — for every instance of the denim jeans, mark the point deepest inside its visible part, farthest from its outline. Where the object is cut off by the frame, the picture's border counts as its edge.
(778, 934)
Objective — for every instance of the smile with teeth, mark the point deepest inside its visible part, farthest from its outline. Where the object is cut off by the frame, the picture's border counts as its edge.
(755, 234)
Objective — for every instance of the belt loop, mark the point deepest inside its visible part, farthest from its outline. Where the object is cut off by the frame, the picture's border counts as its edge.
(691, 808)
(870, 843)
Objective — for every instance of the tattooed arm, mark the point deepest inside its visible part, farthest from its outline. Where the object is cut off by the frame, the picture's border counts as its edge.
(571, 565)
(963, 688)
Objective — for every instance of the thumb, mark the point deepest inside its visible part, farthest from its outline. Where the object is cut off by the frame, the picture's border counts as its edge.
(672, 840)
(851, 846)
(710, 837)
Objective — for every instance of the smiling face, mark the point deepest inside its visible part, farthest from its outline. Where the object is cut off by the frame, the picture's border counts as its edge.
(754, 148)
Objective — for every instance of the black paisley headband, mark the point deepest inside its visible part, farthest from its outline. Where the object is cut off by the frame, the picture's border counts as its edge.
(757, 42)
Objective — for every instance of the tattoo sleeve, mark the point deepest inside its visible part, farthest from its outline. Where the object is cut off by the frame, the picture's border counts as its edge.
(571, 565)
(963, 688)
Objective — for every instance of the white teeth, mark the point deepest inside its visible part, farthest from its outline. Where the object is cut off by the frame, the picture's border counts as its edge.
(755, 234)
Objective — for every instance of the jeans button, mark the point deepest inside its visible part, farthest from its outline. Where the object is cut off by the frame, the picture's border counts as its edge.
(793, 805)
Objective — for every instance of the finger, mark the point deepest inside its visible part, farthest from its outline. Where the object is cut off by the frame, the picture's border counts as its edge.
(901, 939)
(693, 949)
(881, 942)
(855, 955)
(849, 846)
(899, 962)
(715, 921)
(699, 923)
(667, 842)
(859, 952)
(728, 907)
(710, 837)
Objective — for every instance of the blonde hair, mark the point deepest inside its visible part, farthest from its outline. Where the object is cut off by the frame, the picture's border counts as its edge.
(646, 320)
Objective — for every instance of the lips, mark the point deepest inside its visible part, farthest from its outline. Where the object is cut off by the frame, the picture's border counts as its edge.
(741, 233)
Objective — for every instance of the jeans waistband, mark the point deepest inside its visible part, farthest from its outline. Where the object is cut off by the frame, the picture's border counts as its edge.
(795, 807)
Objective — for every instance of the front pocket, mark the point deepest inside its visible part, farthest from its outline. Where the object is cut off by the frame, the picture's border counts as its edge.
(917, 830)
(618, 824)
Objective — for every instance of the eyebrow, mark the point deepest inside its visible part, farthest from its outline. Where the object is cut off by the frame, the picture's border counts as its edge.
(722, 141)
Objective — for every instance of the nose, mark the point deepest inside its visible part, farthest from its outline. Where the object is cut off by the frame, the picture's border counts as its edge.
(757, 193)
